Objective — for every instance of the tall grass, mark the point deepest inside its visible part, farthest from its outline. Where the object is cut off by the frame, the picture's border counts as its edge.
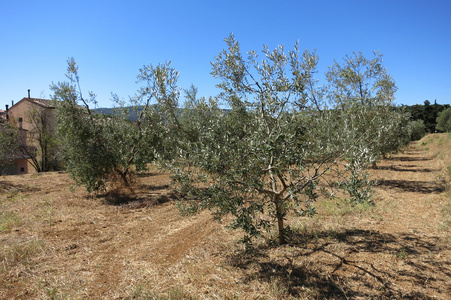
(9, 220)
(20, 253)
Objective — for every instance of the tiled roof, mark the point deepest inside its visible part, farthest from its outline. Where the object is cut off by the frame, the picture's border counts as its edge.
(43, 102)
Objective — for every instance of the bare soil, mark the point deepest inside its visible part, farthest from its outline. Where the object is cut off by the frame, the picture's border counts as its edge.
(56, 241)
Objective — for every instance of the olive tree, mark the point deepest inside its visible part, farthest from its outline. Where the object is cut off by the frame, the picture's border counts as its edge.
(261, 157)
(361, 93)
(101, 149)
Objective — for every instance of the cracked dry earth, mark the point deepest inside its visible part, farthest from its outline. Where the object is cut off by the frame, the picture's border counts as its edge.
(58, 242)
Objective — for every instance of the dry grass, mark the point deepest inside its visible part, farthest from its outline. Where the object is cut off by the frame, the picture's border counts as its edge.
(57, 242)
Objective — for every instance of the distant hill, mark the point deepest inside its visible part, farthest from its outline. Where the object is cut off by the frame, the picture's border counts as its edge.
(132, 111)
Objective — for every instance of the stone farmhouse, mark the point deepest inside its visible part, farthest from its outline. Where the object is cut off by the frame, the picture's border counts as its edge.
(30, 115)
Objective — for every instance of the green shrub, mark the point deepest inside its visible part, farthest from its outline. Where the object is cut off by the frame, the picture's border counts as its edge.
(444, 120)
(417, 130)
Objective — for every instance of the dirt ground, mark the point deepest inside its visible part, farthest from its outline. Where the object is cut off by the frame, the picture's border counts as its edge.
(57, 242)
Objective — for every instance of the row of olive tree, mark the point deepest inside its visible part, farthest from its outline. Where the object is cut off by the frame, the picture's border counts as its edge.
(259, 159)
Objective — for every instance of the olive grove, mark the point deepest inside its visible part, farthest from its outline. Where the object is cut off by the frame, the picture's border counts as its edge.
(263, 157)
(257, 151)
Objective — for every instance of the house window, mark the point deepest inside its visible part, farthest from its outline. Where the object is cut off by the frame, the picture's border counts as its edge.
(22, 170)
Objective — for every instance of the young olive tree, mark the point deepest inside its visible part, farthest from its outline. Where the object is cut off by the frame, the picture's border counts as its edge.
(160, 88)
(362, 93)
(261, 157)
(101, 149)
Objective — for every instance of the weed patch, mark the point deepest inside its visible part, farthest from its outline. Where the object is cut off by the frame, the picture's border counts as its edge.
(345, 207)
(8, 220)
(20, 253)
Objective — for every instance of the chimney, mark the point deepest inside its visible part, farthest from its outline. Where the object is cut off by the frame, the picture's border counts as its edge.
(28, 93)
(12, 103)
(7, 107)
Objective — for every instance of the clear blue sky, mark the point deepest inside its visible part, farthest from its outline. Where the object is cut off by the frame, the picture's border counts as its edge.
(111, 40)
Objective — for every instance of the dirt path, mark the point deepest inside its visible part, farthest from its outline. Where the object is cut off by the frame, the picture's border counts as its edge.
(414, 182)
(402, 249)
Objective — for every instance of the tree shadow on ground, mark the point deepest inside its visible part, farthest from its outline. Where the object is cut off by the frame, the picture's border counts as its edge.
(11, 189)
(409, 158)
(141, 195)
(152, 188)
(138, 200)
(406, 168)
(425, 187)
(413, 150)
(350, 264)
(147, 174)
